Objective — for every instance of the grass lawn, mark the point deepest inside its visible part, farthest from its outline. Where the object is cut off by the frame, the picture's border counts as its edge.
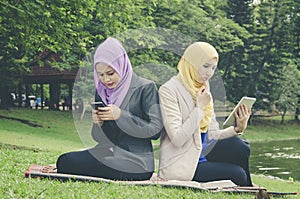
(57, 132)
(15, 160)
(265, 129)
(42, 145)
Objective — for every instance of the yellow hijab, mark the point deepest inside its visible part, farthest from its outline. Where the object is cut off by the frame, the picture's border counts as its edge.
(194, 57)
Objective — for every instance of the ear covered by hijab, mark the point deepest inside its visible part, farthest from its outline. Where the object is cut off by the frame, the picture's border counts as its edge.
(194, 57)
(112, 53)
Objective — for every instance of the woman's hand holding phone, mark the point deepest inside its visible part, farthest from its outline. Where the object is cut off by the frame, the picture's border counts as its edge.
(110, 112)
(102, 112)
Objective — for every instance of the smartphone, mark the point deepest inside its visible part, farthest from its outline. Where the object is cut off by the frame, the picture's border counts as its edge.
(248, 101)
(96, 105)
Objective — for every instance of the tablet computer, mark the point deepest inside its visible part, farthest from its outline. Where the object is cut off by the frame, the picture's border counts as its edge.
(248, 101)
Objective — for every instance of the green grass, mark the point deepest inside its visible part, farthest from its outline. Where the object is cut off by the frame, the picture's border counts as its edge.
(57, 131)
(266, 129)
(15, 160)
(42, 145)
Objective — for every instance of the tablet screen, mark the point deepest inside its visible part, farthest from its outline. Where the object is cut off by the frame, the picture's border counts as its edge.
(248, 101)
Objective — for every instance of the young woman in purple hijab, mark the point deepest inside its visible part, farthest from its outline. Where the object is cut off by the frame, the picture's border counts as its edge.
(123, 128)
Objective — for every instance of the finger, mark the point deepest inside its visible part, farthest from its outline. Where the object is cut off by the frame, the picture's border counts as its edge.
(202, 89)
(104, 113)
(250, 110)
(104, 109)
(242, 110)
(246, 110)
(205, 93)
(236, 115)
(95, 120)
(106, 118)
(95, 111)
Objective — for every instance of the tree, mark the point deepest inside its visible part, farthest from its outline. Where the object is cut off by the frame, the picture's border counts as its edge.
(233, 60)
(257, 43)
(275, 51)
(288, 89)
(241, 12)
(31, 27)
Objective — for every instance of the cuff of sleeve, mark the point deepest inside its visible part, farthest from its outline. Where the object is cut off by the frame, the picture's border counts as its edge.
(237, 132)
(124, 115)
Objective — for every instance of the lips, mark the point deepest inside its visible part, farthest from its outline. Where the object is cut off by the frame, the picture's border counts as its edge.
(110, 84)
(205, 78)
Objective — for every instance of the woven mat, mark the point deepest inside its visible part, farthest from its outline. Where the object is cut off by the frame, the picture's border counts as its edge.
(35, 171)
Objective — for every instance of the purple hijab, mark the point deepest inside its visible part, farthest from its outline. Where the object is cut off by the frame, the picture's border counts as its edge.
(112, 53)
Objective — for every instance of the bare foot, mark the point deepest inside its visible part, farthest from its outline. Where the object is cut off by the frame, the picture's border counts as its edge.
(51, 168)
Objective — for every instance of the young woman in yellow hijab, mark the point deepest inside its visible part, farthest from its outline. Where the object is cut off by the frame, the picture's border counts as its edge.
(192, 146)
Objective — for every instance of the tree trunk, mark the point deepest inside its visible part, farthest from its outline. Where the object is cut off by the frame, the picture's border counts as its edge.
(4, 97)
(282, 116)
(297, 109)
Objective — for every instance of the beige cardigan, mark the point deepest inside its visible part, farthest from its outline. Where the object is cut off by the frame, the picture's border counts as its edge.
(180, 144)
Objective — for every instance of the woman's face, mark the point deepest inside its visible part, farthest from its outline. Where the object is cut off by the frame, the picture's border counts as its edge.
(107, 75)
(207, 70)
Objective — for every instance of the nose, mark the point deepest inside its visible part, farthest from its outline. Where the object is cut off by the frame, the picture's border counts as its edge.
(106, 78)
(209, 72)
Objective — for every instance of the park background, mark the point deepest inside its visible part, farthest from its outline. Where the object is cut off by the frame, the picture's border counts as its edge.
(258, 44)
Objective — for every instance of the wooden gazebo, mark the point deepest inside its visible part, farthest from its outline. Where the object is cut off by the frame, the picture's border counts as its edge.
(53, 77)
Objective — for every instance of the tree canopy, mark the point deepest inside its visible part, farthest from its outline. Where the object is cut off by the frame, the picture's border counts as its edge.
(258, 41)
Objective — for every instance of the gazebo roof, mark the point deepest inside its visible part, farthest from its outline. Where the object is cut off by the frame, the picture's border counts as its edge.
(48, 74)
(42, 75)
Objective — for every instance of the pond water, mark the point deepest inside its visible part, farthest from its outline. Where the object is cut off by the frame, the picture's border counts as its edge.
(276, 158)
